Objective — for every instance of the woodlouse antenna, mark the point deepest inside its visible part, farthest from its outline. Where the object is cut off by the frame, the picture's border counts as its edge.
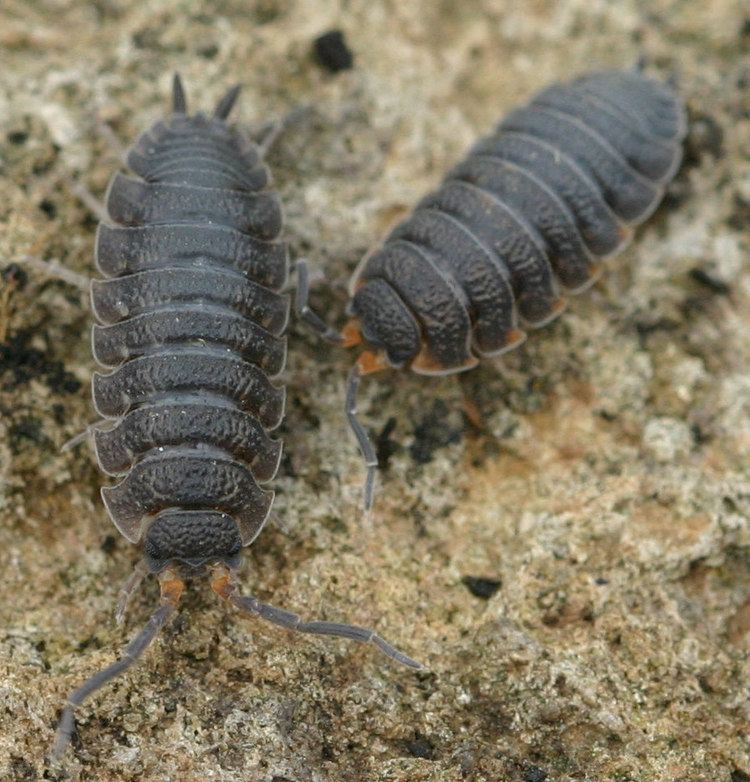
(128, 588)
(179, 101)
(368, 362)
(223, 584)
(363, 439)
(306, 313)
(224, 106)
(172, 588)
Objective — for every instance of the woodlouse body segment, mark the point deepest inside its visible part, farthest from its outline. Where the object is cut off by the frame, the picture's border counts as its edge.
(191, 322)
(529, 213)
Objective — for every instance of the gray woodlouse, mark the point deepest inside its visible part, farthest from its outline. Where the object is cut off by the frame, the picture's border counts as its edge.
(191, 319)
(558, 185)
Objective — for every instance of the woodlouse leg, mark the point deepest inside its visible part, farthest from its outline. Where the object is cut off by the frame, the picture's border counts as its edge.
(81, 437)
(224, 586)
(363, 439)
(110, 137)
(266, 136)
(305, 313)
(279, 523)
(89, 200)
(172, 588)
(79, 190)
(54, 268)
(135, 579)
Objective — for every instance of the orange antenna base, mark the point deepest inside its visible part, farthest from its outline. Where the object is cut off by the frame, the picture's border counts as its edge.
(372, 361)
(351, 334)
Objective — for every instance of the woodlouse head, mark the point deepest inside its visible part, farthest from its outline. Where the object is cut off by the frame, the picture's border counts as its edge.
(192, 539)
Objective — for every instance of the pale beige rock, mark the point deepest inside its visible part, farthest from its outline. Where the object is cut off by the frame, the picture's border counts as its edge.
(667, 439)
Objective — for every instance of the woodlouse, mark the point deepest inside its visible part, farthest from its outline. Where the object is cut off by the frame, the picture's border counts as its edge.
(192, 321)
(531, 209)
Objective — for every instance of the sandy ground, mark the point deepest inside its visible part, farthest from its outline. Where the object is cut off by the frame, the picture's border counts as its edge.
(605, 501)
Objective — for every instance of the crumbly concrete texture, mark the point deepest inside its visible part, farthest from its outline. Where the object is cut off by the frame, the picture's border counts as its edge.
(605, 497)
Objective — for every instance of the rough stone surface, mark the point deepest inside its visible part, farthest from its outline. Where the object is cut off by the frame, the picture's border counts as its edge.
(608, 491)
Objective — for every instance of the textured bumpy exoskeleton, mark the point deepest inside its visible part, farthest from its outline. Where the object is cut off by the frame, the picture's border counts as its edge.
(530, 213)
(191, 320)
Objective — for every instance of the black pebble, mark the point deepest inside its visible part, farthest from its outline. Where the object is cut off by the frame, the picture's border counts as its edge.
(109, 544)
(420, 747)
(17, 137)
(481, 587)
(710, 281)
(534, 774)
(332, 52)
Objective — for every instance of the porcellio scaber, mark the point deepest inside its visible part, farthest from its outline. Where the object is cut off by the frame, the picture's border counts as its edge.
(531, 210)
(191, 322)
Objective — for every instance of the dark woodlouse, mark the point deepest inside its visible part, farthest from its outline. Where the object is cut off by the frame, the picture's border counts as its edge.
(192, 321)
(532, 209)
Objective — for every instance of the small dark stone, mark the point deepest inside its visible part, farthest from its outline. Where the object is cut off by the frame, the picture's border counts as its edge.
(17, 137)
(420, 747)
(109, 544)
(481, 587)
(332, 52)
(710, 281)
(705, 684)
(209, 52)
(701, 436)
(48, 208)
(601, 581)
(534, 774)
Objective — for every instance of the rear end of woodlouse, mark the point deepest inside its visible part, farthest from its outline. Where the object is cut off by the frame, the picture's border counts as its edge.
(527, 216)
(191, 323)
